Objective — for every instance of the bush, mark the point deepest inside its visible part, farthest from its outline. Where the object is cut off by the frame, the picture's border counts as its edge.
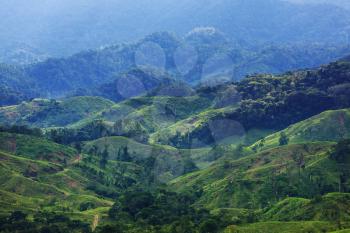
(208, 226)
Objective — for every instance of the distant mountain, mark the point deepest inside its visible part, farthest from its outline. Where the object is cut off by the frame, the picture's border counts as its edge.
(75, 26)
(15, 85)
(21, 54)
(205, 54)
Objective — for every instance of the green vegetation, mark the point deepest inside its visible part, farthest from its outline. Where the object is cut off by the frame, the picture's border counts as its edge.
(51, 113)
(288, 227)
(304, 170)
(236, 157)
(327, 126)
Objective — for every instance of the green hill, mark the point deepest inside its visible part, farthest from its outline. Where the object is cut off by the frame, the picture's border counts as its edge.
(138, 118)
(327, 126)
(51, 113)
(302, 170)
(41, 176)
(287, 227)
(331, 207)
(163, 163)
(35, 148)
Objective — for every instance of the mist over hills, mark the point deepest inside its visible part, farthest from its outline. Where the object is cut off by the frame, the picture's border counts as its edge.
(65, 27)
(204, 56)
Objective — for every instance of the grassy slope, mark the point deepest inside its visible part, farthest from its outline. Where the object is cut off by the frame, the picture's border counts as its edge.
(153, 113)
(323, 208)
(283, 227)
(230, 184)
(35, 148)
(46, 113)
(46, 190)
(237, 183)
(219, 179)
(327, 126)
(31, 183)
(303, 215)
(169, 161)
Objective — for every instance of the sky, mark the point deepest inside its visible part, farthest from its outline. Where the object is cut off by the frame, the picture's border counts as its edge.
(341, 3)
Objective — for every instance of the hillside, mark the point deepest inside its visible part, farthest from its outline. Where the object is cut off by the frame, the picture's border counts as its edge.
(163, 163)
(53, 113)
(253, 175)
(41, 176)
(14, 86)
(319, 209)
(262, 103)
(169, 112)
(203, 55)
(303, 155)
(112, 161)
(327, 126)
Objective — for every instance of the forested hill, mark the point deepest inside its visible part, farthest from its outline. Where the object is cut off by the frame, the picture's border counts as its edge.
(164, 111)
(205, 54)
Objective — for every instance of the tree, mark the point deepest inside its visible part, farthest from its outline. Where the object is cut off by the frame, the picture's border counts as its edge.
(17, 216)
(262, 143)
(114, 210)
(184, 225)
(189, 165)
(111, 228)
(341, 155)
(78, 146)
(134, 202)
(123, 155)
(64, 162)
(208, 226)
(93, 150)
(239, 150)
(104, 158)
(283, 140)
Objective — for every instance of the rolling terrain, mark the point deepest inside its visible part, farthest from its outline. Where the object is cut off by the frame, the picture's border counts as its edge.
(268, 153)
(188, 116)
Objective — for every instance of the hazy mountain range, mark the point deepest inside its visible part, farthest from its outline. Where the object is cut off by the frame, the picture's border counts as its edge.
(60, 28)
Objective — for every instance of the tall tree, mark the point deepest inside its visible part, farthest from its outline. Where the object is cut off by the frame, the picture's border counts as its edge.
(283, 140)
(104, 158)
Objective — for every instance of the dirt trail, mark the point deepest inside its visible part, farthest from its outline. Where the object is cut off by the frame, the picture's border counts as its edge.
(78, 159)
(95, 222)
